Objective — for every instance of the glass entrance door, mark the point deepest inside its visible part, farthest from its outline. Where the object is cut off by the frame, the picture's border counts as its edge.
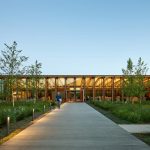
(75, 96)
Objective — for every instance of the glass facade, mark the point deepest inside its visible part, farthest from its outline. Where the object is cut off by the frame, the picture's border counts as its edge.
(71, 87)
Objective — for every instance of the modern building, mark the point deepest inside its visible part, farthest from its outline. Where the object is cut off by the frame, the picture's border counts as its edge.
(72, 87)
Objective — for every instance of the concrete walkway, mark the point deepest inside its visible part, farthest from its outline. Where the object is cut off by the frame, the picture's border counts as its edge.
(76, 126)
(136, 128)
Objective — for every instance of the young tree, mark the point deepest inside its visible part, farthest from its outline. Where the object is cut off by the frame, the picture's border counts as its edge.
(35, 70)
(134, 79)
(140, 71)
(129, 70)
(128, 88)
(11, 64)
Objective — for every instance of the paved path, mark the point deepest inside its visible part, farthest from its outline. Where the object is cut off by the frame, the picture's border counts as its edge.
(136, 128)
(76, 126)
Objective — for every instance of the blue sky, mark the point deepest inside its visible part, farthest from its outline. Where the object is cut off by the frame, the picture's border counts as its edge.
(78, 36)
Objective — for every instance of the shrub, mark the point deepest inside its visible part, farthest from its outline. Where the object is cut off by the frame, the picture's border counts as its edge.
(22, 109)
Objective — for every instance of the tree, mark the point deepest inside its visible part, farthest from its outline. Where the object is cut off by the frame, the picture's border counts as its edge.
(11, 64)
(140, 70)
(134, 79)
(35, 70)
(128, 88)
(129, 70)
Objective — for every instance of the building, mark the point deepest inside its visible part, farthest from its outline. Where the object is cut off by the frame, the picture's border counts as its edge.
(72, 87)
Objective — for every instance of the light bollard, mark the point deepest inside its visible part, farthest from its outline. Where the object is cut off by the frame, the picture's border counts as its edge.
(33, 114)
(44, 108)
(50, 106)
(8, 125)
(1, 139)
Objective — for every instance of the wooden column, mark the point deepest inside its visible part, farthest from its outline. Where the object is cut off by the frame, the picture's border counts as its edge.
(93, 88)
(103, 86)
(84, 89)
(21, 90)
(16, 89)
(65, 89)
(27, 88)
(46, 88)
(38, 89)
(100, 89)
(56, 85)
(112, 88)
(75, 88)
(121, 88)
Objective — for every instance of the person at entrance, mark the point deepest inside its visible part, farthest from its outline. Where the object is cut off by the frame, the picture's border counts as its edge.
(58, 99)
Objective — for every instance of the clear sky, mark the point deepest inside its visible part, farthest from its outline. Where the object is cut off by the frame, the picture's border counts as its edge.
(78, 36)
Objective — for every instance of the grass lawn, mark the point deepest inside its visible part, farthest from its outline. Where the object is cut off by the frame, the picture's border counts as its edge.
(109, 115)
(133, 113)
(145, 137)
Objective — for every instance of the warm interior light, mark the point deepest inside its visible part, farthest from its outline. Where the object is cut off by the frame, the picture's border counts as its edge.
(77, 89)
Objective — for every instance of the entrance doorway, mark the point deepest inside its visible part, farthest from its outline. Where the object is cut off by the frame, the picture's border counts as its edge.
(75, 96)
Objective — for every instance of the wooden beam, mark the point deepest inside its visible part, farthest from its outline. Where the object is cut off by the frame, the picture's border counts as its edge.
(97, 81)
(88, 83)
(82, 82)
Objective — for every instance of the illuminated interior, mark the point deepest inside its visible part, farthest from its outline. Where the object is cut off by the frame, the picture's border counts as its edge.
(71, 87)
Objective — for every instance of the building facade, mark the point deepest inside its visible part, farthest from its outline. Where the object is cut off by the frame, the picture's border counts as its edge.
(72, 87)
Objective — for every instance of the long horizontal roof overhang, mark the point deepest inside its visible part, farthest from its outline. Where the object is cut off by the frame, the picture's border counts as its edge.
(69, 76)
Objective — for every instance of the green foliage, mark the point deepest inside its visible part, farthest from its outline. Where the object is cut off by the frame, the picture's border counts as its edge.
(134, 79)
(34, 70)
(129, 69)
(134, 113)
(11, 61)
(11, 64)
(22, 109)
